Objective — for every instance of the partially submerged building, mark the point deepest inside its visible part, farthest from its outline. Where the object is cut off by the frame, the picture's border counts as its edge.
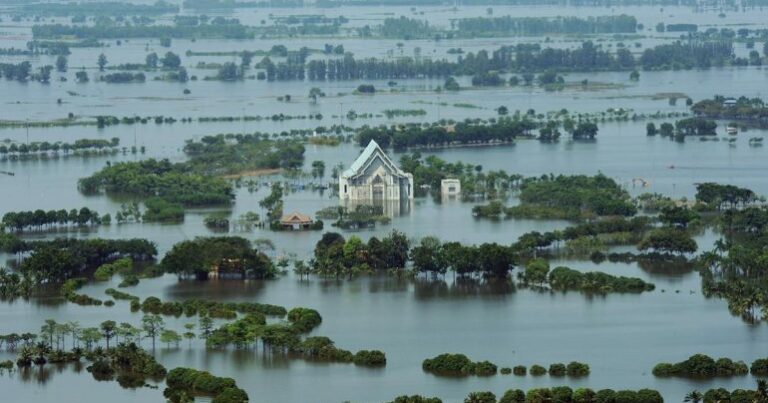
(373, 176)
(375, 180)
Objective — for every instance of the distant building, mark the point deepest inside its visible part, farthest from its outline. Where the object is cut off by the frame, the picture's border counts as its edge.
(373, 176)
(296, 221)
(729, 102)
(450, 187)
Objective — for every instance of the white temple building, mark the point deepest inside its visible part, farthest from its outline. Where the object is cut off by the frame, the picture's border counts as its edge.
(373, 176)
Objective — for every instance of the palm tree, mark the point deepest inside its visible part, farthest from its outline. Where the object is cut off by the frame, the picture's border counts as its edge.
(49, 329)
(693, 396)
(762, 391)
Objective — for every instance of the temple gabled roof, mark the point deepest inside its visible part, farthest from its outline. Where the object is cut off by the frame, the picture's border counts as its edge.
(295, 218)
(371, 152)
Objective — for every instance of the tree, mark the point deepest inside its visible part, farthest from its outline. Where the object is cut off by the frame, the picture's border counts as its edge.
(189, 334)
(678, 216)
(81, 76)
(102, 62)
(48, 330)
(480, 397)
(90, 336)
(61, 64)
(318, 169)
(152, 60)
(693, 396)
(108, 330)
(206, 326)
(536, 271)
(670, 240)
(169, 336)
(152, 326)
(429, 256)
(315, 93)
(44, 73)
(171, 61)
(650, 129)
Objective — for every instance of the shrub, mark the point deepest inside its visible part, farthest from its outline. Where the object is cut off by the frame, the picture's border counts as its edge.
(605, 396)
(484, 368)
(538, 370)
(759, 367)
(513, 396)
(627, 396)
(416, 399)
(576, 368)
(448, 364)
(583, 395)
(481, 397)
(557, 369)
(561, 394)
(370, 358)
(505, 370)
(519, 370)
(538, 395)
(304, 319)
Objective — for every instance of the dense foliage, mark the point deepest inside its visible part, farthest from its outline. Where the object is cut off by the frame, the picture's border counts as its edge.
(160, 178)
(222, 255)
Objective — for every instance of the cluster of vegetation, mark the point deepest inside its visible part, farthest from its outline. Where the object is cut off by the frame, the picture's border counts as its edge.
(123, 77)
(215, 28)
(566, 394)
(153, 178)
(129, 362)
(521, 58)
(562, 278)
(734, 269)
(46, 220)
(570, 197)
(457, 365)
(703, 366)
(538, 26)
(186, 383)
(430, 171)
(414, 135)
(363, 216)
(750, 109)
(53, 262)
(760, 394)
(234, 153)
(45, 147)
(222, 255)
(336, 257)
(96, 8)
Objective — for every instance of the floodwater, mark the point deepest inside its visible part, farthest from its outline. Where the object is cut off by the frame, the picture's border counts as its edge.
(621, 337)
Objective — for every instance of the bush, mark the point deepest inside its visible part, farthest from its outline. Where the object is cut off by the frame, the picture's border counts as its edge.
(481, 397)
(513, 396)
(519, 370)
(538, 370)
(702, 366)
(576, 368)
(538, 395)
(506, 371)
(605, 396)
(759, 367)
(370, 358)
(304, 319)
(557, 369)
(448, 364)
(416, 399)
(484, 368)
(561, 394)
(583, 395)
